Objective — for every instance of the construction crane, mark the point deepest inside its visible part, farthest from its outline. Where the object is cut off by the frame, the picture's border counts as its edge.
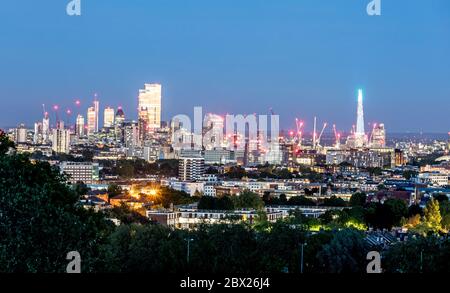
(299, 125)
(44, 111)
(321, 133)
(337, 137)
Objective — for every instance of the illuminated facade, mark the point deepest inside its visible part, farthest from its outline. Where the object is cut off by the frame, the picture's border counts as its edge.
(79, 128)
(61, 139)
(108, 117)
(360, 135)
(150, 101)
(91, 121)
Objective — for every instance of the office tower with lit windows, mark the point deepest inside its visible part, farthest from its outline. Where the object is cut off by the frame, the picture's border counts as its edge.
(79, 128)
(119, 120)
(45, 128)
(120, 116)
(91, 121)
(150, 100)
(378, 136)
(61, 139)
(37, 137)
(131, 134)
(108, 117)
(143, 125)
(21, 134)
(96, 110)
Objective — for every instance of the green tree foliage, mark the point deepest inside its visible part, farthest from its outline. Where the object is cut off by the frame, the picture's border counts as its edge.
(145, 248)
(236, 172)
(126, 216)
(40, 221)
(358, 199)
(415, 209)
(214, 203)
(419, 255)
(168, 197)
(334, 202)
(248, 199)
(300, 201)
(5, 143)
(387, 215)
(408, 174)
(346, 253)
(114, 190)
(398, 210)
(80, 188)
(432, 215)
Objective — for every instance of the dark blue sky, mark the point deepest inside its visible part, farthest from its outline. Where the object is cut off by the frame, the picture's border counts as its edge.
(301, 57)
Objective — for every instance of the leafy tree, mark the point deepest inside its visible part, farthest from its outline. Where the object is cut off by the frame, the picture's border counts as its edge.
(418, 255)
(398, 210)
(145, 248)
(126, 216)
(408, 174)
(40, 220)
(440, 197)
(248, 199)
(431, 222)
(415, 209)
(5, 143)
(345, 253)
(334, 202)
(80, 188)
(214, 203)
(379, 216)
(300, 201)
(114, 190)
(432, 215)
(376, 171)
(358, 199)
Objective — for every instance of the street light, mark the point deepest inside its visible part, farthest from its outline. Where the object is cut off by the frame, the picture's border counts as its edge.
(301, 258)
(188, 248)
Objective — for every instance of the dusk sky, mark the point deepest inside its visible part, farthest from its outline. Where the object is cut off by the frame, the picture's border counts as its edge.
(300, 57)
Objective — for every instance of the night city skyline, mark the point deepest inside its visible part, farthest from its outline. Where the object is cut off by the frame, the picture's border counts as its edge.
(300, 59)
(225, 144)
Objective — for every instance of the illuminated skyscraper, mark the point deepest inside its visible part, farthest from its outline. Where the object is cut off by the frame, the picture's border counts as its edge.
(378, 137)
(61, 139)
(96, 109)
(45, 128)
(79, 131)
(91, 121)
(360, 135)
(150, 101)
(120, 116)
(21, 134)
(118, 124)
(108, 117)
(37, 138)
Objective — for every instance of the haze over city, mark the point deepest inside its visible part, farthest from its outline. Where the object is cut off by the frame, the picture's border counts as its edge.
(301, 58)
